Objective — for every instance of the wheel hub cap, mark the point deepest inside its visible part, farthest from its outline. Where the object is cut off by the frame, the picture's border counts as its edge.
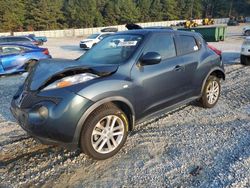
(213, 92)
(107, 134)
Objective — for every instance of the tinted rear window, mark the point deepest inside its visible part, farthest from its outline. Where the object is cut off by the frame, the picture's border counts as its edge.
(187, 45)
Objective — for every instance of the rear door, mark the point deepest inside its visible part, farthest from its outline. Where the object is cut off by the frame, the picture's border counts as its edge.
(188, 49)
(13, 57)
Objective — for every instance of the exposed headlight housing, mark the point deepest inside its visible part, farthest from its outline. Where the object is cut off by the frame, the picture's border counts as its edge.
(71, 80)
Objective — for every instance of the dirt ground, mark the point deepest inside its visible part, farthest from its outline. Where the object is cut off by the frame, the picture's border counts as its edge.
(189, 147)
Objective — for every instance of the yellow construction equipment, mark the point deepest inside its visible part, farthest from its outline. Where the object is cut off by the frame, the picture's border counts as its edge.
(208, 21)
(190, 23)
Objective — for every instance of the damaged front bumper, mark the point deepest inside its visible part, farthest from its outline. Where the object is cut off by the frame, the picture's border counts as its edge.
(50, 116)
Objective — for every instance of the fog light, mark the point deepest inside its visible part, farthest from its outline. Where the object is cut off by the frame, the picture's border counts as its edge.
(43, 112)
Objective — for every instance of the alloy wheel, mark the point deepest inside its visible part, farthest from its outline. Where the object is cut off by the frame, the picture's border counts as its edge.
(213, 91)
(107, 134)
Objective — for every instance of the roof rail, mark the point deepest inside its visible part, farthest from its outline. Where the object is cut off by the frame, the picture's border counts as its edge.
(131, 26)
(158, 27)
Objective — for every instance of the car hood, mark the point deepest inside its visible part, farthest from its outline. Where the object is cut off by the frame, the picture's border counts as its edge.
(87, 40)
(54, 69)
(246, 28)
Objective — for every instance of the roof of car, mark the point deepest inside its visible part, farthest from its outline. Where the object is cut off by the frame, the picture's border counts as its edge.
(155, 30)
(14, 37)
(18, 44)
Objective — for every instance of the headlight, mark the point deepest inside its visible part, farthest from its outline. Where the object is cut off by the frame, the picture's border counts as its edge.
(71, 80)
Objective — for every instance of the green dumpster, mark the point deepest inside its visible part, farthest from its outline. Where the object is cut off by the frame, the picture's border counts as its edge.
(210, 33)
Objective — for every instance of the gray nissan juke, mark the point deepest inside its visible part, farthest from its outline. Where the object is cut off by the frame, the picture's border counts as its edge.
(93, 102)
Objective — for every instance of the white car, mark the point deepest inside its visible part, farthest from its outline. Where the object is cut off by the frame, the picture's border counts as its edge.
(93, 39)
(246, 31)
(245, 52)
(247, 19)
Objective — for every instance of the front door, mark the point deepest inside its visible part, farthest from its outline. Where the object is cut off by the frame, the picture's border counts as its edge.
(160, 85)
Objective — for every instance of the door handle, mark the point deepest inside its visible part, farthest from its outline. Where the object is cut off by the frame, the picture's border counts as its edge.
(178, 68)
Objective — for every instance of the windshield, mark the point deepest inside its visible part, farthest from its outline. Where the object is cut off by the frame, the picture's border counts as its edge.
(246, 42)
(114, 49)
(93, 36)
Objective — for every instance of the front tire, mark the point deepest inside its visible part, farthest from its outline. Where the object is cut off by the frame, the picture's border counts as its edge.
(245, 60)
(211, 92)
(105, 132)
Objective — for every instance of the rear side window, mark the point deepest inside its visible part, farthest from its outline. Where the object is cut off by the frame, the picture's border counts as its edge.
(187, 45)
(162, 44)
(10, 50)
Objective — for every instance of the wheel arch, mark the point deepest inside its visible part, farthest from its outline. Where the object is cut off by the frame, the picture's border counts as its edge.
(32, 59)
(121, 102)
(26, 64)
(218, 72)
(248, 30)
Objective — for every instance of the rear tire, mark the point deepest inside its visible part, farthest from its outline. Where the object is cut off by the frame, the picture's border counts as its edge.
(211, 92)
(105, 132)
(245, 60)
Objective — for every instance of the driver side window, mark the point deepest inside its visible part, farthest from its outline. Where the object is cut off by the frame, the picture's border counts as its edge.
(163, 44)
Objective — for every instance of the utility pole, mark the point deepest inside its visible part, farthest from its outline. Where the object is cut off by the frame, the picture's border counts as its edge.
(231, 8)
(192, 7)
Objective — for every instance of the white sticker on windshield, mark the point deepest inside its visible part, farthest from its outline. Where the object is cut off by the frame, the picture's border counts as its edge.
(127, 43)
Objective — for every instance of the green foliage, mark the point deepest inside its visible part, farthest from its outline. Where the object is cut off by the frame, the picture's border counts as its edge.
(16, 15)
(11, 15)
(44, 14)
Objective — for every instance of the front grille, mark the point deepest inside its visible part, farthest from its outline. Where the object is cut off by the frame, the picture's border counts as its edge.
(83, 46)
(28, 99)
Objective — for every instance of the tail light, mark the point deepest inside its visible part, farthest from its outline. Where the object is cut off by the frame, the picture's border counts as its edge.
(218, 52)
(46, 51)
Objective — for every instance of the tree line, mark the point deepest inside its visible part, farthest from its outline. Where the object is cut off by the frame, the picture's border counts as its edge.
(19, 15)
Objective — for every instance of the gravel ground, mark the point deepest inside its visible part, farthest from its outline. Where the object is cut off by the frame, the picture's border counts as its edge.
(189, 147)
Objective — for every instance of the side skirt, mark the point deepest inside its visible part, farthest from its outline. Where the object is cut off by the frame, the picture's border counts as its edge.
(166, 110)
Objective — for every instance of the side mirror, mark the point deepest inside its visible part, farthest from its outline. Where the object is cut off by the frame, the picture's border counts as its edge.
(150, 58)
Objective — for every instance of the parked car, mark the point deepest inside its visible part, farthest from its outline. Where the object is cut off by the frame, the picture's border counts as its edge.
(129, 77)
(26, 40)
(40, 39)
(245, 52)
(246, 31)
(247, 19)
(233, 22)
(93, 39)
(19, 58)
